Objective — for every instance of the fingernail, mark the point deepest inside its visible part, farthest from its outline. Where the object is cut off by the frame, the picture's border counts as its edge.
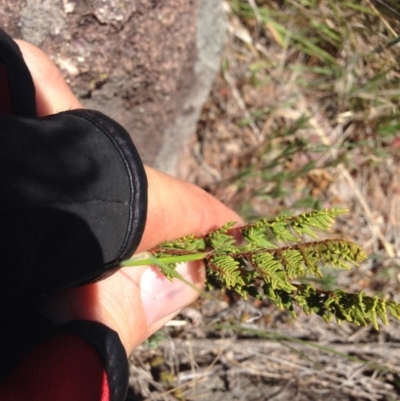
(162, 297)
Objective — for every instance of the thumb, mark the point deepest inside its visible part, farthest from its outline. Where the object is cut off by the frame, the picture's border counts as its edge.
(163, 299)
(135, 301)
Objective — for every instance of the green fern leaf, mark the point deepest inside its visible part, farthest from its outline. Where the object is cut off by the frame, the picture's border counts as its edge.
(226, 269)
(255, 239)
(372, 306)
(394, 310)
(281, 229)
(221, 240)
(269, 269)
(188, 243)
(293, 263)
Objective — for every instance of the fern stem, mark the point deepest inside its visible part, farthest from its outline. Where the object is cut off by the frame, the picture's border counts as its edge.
(137, 261)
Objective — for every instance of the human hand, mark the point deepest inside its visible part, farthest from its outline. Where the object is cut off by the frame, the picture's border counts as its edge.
(135, 302)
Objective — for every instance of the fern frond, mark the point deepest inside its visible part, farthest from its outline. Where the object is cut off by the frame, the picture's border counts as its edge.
(305, 258)
(318, 219)
(291, 228)
(358, 309)
(188, 243)
(221, 239)
(260, 268)
(226, 269)
(255, 239)
(269, 269)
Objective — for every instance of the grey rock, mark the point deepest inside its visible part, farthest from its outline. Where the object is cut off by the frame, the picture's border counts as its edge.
(39, 19)
(210, 37)
(115, 12)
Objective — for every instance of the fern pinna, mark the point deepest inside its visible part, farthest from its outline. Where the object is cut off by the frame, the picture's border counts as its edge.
(247, 260)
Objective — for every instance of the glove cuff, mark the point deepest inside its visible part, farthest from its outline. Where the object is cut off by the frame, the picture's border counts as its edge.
(112, 353)
(74, 361)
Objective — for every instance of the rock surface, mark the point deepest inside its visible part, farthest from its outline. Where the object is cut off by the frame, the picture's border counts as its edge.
(149, 64)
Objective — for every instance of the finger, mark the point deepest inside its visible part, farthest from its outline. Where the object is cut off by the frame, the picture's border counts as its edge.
(177, 208)
(52, 92)
(163, 299)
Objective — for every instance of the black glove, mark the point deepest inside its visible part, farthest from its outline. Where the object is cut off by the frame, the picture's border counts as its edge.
(73, 191)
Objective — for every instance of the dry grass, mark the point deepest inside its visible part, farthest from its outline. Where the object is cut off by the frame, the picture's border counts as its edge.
(305, 114)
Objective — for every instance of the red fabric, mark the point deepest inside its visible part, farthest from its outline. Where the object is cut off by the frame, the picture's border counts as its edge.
(6, 108)
(63, 368)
